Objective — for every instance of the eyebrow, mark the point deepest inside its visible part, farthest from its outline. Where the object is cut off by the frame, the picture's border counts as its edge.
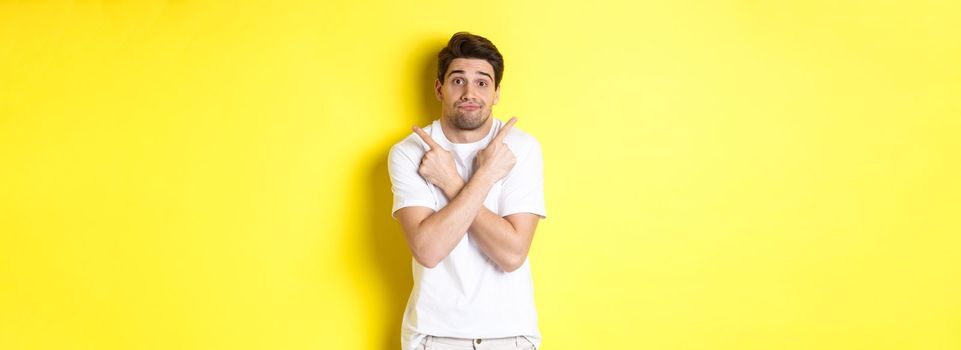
(462, 72)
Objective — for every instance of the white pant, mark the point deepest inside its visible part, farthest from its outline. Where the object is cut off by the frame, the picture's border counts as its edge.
(443, 343)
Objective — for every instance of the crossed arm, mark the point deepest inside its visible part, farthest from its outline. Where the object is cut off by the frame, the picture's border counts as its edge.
(433, 235)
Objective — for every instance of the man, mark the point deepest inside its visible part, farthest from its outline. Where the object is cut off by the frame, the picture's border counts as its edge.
(468, 193)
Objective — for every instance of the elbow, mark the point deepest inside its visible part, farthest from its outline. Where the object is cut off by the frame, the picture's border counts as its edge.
(426, 260)
(427, 256)
(424, 251)
(513, 263)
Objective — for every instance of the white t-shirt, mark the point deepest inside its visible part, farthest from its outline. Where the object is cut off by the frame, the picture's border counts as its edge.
(466, 295)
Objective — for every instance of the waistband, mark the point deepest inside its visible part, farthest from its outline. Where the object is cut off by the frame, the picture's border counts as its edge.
(470, 343)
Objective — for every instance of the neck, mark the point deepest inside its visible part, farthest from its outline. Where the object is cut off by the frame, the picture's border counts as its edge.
(456, 135)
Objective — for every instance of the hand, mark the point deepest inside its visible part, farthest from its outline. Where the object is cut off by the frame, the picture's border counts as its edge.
(438, 166)
(497, 160)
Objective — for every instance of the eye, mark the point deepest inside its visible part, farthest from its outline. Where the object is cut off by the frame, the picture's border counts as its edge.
(458, 81)
(482, 83)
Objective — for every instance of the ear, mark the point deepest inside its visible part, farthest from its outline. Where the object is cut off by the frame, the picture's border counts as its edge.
(437, 90)
(497, 95)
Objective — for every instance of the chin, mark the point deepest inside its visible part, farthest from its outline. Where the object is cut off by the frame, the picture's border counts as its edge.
(463, 122)
(472, 126)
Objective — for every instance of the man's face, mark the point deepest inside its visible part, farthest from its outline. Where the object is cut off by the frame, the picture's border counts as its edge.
(467, 93)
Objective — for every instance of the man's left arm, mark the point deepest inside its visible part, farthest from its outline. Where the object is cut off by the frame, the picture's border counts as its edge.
(507, 240)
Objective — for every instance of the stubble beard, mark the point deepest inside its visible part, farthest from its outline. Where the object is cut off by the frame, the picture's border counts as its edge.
(469, 120)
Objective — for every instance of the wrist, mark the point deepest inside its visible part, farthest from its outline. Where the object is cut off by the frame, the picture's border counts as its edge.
(453, 187)
(484, 177)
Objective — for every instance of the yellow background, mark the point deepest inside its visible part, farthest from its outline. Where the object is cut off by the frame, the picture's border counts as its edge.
(719, 175)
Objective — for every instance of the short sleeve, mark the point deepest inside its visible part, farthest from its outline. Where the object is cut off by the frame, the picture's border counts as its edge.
(523, 188)
(409, 188)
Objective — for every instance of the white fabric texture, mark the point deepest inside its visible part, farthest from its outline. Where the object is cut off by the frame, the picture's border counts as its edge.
(466, 295)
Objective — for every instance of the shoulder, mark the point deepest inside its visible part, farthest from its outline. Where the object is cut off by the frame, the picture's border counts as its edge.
(410, 146)
(521, 142)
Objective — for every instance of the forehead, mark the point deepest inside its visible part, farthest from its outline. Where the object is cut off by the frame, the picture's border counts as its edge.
(470, 66)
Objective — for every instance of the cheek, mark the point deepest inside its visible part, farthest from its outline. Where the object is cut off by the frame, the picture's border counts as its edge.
(449, 96)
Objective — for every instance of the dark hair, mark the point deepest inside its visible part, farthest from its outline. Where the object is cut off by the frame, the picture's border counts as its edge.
(467, 45)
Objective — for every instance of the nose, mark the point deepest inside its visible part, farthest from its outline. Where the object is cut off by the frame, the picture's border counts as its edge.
(468, 93)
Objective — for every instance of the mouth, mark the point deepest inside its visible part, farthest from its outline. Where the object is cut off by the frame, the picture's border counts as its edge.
(469, 107)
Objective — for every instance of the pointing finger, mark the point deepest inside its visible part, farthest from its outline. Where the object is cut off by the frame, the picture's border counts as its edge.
(504, 130)
(423, 136)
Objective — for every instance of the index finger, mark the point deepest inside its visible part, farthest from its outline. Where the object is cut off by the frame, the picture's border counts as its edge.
(504, 130)
(423, 136)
